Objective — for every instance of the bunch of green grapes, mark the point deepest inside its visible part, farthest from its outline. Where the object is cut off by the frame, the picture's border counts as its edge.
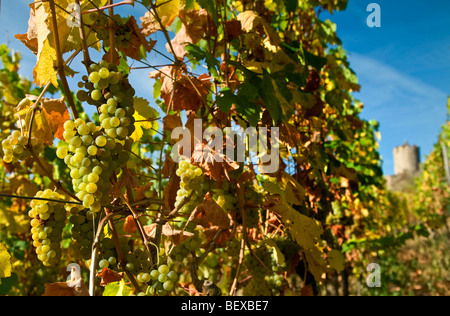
(83, 224)
(123, 33)
(259, 263)
(137, 261)
(47, 223)
(225, 198)
(183, 249)
(254, 195)
(108, 254)
(162, 280)
(87, 146)
(275, 282)
(192, 182)
(15, 147)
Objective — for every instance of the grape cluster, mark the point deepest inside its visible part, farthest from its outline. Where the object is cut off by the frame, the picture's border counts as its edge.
(47, 223)
(83, 156)
(183, 249)
(15, 147)
(192, 182)
(163, 280)
(83, 224)
(137, 261)
(123, 33)
(95, 153)
(225, 198)
(275, 282)
(108, 255)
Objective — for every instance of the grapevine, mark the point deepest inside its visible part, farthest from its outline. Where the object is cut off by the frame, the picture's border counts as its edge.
(89, 178)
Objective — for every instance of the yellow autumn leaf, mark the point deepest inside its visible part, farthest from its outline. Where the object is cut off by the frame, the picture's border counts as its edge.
(5, 262)
(41, 28)
(145, 117)
(316, 263)
(167, 10)
(336, 260)
(305, 230)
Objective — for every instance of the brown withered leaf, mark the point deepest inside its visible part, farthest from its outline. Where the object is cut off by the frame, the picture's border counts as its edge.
(127, 179)
(190, 93)
(307, 290)
(30, 39)
(171, 122)
(209, 214)
(129, 226)
(140, 191)
(177, 236)
(196, 25)
(214, 164)
(138, 39)
(233, 29)
(149, 24)
(108, 276)
(63, 289)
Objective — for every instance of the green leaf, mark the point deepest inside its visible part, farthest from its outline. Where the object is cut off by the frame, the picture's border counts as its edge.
(226, 99)
(211, 8)
(117, 289)
(314, 60)
(268, 95)
(198, 54)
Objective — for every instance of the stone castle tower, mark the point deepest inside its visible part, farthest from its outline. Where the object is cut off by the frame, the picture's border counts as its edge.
(406, 167)
(406, 159)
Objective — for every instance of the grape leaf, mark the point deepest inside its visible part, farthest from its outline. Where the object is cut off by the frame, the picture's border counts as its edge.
(108, 276)
(336, 260)
(5, 263)
(63, 289)
(305, 230)
(117, 289)
(167, 10)
(48, 120)
(145, 117)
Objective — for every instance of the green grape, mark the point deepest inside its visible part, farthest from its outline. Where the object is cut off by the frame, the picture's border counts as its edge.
(103, 264)
(47, 223)
(192, 182)
(15, 147)
(62, 152)
(100, 141)
(104, 73)
(95, 77)
(96, 95)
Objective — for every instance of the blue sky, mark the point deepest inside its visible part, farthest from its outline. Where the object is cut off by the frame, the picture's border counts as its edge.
(403, 66)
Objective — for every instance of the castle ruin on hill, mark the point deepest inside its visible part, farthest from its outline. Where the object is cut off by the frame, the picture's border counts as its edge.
(406, 167)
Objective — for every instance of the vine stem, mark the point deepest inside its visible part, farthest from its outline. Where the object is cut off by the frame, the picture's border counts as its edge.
(87, 58)
(60, 62)
(37, 198)
(238, 270)
(33, 114)
(112, 33)
(141, 230)
(109, 6)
